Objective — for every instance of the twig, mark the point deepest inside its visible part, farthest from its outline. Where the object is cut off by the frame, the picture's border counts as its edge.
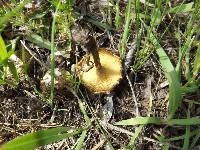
(112, 127)
(29, 125)
(53, 115)
(133, 96)
(98, 145)
(155, 141)
(129, 56)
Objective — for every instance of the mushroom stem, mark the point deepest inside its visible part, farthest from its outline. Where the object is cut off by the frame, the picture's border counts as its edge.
(96, 58)
(92, 48)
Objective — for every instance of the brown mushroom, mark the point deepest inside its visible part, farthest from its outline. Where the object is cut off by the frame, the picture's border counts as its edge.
(104, 75)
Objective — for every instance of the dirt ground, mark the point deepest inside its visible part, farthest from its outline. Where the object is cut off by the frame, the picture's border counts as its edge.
(23, 112)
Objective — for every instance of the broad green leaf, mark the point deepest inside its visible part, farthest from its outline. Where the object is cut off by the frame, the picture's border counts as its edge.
(40, 138)
(182, 8)
(3, 51)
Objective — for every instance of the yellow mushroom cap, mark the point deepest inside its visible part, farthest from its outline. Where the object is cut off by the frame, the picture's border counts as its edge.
(104, 79)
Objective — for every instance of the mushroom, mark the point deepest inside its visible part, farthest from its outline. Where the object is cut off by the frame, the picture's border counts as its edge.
(100, 71)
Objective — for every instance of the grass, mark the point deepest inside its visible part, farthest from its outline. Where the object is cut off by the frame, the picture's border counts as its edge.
(174, 84)
(5, 19)
(156, 28)
(53, 54)
(131, 144)
(154, 120)
(41, 138)
(125, 36)
(5, 64)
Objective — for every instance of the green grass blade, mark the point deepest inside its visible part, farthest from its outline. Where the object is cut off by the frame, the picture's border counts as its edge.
(159, 121)
(186, 139)
(195, 139)
(99, 24)
(174, 84)
(5, 81)
(81, 140)
(3, 51)
(131, 143)
(140, 120)
(186, 142)
(187, 122)
(83, 110)
(53, 54)
(179, 64)
(88, 122)
(5, 19)
(39, 41)
(182, 8)
(196, 67)
(13, 71)
(185, 51)
(156, 17)
(102, 26)
(193, 133)
(165, 146)
(125, 34)
(13, 1)
(35, 89)
(2, 81)
(191, 89)
(40, 138)
(117, 16)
